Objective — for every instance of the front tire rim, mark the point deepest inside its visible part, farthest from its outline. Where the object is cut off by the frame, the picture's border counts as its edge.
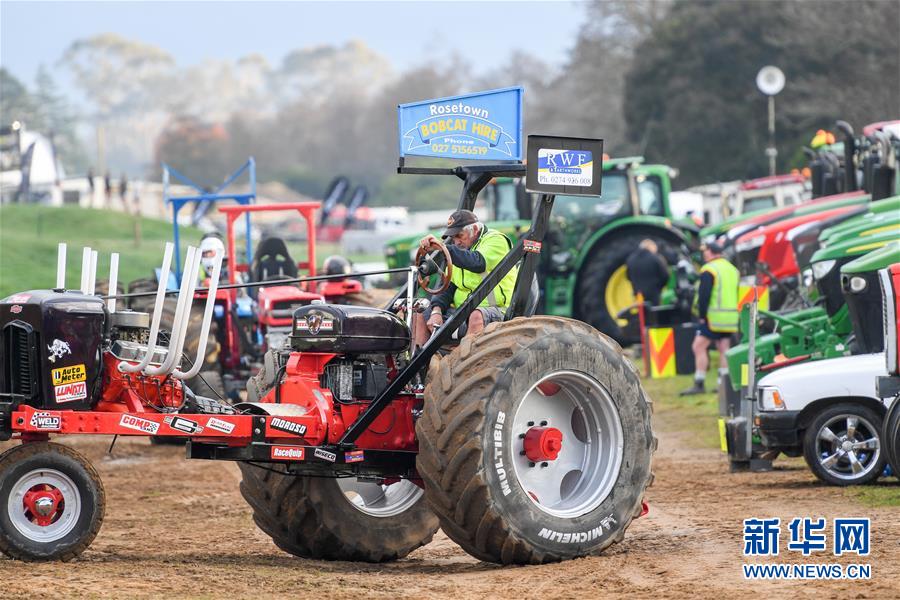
(44, 491)
(380, 500)
(588, 463)
(848, 447)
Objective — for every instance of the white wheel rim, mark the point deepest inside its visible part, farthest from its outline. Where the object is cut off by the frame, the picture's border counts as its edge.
(379, 500)
(588, 464)
(64, 519)
(848, 447)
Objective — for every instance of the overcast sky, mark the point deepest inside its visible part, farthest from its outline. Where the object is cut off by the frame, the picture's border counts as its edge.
(406, 33)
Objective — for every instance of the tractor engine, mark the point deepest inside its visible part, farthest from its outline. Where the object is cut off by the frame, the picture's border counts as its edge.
(345, 356)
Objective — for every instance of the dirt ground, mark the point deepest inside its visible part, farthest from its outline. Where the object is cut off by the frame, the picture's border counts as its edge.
(178, 528)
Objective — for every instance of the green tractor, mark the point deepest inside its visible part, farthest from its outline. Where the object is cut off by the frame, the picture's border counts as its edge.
(582, 269)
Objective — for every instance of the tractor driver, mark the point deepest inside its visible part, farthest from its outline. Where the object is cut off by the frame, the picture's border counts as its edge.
(475, 251)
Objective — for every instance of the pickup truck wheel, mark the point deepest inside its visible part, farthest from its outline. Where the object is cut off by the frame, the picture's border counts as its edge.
(843, 445)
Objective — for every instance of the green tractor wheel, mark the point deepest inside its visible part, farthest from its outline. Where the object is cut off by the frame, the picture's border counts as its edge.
(603, 290)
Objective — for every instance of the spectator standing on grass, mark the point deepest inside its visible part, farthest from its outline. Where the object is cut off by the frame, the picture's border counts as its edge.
(123, 188)
(716, 304)
(647, 271)
(107, 187)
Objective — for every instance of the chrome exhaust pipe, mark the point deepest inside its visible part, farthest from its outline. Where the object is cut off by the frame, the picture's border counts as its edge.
(92, 278)
(207, 319)
(113, 281)
(191, 273)
(61, 267)
(176, 325)
(157, 314)
(85, 268)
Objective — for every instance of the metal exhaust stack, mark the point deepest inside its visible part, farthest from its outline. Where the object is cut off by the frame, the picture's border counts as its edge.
(849, 155)
(113, 281)
(207, 319)
(182, 324)
(61, 267)
(157, 314)
(179, 315)
(85, 268)
(92, 277)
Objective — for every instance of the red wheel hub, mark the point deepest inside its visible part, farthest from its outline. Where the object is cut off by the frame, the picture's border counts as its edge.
(43, 504)
(543, 444)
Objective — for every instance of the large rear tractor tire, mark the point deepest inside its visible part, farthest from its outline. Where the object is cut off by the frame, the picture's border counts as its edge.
(891, 436)
(338, 519)
(603, 289)
(51, 502)
(142, 303)
(535, 442)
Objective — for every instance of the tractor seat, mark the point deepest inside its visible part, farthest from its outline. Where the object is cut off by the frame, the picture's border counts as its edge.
(272, 262)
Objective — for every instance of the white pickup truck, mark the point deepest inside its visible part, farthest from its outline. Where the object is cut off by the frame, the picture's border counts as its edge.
(831, 412)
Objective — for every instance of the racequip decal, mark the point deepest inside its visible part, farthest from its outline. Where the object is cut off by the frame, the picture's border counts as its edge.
(354, 456)
(71, 374)
(287, 453)
(70, 392)
(139, 424)
(325, 455)
(220, 425)
(58, 349)
(287, 426)
(182, 424)
(48, 421)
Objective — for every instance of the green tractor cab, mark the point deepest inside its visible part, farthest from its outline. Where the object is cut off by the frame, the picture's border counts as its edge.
(582, 268)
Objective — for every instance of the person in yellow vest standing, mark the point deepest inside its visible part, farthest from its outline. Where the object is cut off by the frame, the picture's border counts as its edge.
(716, 304)
(475, 250)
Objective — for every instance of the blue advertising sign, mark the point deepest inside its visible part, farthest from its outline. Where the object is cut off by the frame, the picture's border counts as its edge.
(480, 126)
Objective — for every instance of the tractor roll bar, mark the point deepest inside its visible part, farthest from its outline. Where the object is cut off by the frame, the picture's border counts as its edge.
(113, 280)
(207, 318)
(92, 277)
(443, 334)
(85, 268)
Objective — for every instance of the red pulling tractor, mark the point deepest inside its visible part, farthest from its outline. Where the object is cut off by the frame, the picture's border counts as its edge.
(528, 443)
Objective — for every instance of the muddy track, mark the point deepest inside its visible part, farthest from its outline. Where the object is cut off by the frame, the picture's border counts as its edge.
(180, 528)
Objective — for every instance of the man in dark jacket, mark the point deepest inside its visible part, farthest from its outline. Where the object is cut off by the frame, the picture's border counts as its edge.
(647, 271)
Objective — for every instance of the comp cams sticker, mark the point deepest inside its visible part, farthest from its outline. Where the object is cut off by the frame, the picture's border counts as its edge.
(139, 424)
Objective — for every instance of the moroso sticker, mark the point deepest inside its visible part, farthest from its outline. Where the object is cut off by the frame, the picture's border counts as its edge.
(565, 167)
(15, 309)
(182, 424)
(354, 456)
(46, 421)
(532, 246)
(325, 455)
(220, 425)
(71, 374)
(287, 426)
(17, 298)
(287, 453)
(70, 392)
(139, 424)
(58, 349)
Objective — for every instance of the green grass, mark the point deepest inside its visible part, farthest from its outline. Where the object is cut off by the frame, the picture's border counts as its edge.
(29, 236)
(885, 492)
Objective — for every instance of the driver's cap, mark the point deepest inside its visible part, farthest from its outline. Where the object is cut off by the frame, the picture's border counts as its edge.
(458, 220)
